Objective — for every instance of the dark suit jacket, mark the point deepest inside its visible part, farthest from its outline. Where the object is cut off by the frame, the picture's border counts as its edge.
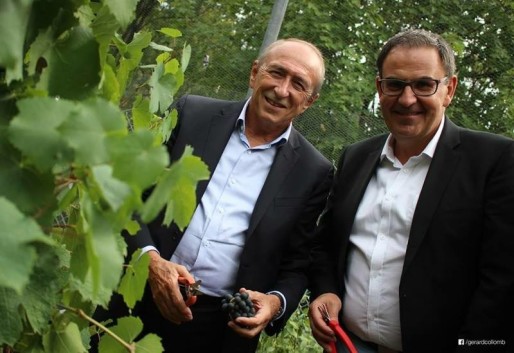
(458, 276)
(275, 255)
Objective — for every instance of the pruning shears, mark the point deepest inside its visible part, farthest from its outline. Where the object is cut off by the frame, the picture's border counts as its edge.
(189, 289)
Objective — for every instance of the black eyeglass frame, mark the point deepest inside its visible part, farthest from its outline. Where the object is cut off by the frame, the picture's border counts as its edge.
(410, 83)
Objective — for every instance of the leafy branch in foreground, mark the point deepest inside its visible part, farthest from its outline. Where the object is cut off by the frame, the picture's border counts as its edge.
(73, 167)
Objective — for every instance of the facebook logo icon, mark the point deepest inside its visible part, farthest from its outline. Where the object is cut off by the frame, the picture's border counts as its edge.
(461, 341)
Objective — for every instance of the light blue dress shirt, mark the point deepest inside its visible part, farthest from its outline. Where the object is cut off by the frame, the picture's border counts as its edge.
(213, 242)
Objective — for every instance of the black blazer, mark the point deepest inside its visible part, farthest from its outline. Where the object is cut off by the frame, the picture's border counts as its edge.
(276, 252)
(458, 276)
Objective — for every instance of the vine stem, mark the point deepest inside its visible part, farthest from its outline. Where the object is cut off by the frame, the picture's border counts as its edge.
(129, 347)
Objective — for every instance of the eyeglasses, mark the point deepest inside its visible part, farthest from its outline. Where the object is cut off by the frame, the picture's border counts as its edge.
(423, 87)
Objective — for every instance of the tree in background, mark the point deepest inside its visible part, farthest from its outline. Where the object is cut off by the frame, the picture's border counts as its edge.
(350, 35)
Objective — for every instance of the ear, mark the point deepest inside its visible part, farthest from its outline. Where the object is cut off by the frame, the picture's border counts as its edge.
(253, 73)
(310, 101)
(451, 88)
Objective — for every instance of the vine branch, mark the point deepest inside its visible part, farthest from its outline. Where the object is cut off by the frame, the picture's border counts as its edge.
(130, 347)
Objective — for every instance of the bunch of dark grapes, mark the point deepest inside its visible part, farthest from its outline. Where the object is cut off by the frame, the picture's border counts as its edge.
(238, 305)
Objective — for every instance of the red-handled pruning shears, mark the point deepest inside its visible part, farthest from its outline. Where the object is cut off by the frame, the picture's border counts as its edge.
(189, 290)
(338, 330)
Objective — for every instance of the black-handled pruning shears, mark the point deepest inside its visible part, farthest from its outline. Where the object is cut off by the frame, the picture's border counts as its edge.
(189, 290)
(338, 330)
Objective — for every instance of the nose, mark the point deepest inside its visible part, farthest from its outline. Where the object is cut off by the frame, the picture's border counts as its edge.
(407, 98)
(282, 87)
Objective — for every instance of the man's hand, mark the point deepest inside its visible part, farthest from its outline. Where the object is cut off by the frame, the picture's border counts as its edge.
(163, 279)
(322, 333)
(266, 307)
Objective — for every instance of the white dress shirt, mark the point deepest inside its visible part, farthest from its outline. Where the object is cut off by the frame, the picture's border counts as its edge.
(212, 243)
(378, 242)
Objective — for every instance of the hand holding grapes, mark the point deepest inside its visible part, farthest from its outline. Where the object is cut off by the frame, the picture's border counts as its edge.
(265, 306)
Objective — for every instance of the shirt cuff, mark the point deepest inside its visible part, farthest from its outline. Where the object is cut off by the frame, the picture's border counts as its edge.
(283, 304)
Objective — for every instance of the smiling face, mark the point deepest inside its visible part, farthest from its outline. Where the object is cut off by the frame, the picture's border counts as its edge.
(413, 120)
(283, 86)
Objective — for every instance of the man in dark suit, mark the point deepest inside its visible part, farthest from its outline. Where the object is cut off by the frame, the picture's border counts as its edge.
(255, 218)
(416, 244)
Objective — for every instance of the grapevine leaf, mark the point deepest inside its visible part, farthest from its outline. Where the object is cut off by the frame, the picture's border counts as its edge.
(132, 53)
(171, 32)
(186, 56)
(73, 65)
(176, 189)
(133, 282)
(39, 48)
(160, 47)
(127, 328)
(41, 296)
(171, 66)
(168, 124)
(14, 16)
(104, 27)
(92, 125)
(17, 232)
(114, 191)
(10, 320)
(35, 131)
(64, 340)
(30, 191)
(163, 88)
(141, 116)
(151, 343)
(104, 254)
(137, 160)
(123, 10)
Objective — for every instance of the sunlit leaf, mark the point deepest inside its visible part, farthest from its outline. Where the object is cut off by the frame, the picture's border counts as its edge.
(171, 32)
(65, 340)
(133, 282)
(186, 56)
(176, 190)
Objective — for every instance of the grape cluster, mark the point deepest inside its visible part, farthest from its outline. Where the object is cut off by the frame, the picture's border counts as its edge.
(238, 305)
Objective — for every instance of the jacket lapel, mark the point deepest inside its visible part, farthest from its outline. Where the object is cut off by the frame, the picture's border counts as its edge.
(285, 159)
(221, 126)
(442, 167)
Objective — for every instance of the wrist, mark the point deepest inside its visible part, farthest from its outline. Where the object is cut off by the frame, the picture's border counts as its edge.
(281, 307)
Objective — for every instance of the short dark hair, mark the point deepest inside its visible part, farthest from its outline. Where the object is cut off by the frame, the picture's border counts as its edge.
(414, 38)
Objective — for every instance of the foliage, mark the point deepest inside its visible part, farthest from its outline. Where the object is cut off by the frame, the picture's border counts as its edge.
(296, 336)
(73, 167)
(350, 34)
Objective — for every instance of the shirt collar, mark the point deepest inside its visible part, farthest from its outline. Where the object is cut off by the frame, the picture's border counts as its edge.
(387, 150)
(241, 120)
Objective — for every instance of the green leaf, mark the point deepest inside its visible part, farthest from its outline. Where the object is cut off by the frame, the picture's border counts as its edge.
(127, 328)
(94, 123)
(17, 232)
(160, 47)
(73, 65)
(65, 340)
(42, 295)
(133, 282)
(176, 190)
(114, 191)
(14, 16)
(10, 319)
(186, 56)
(170, 32)
(137, 160)
(35, 131)
(151, 343)
(105, 257)
(123, 10)
(163, 87)
(141, 115)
